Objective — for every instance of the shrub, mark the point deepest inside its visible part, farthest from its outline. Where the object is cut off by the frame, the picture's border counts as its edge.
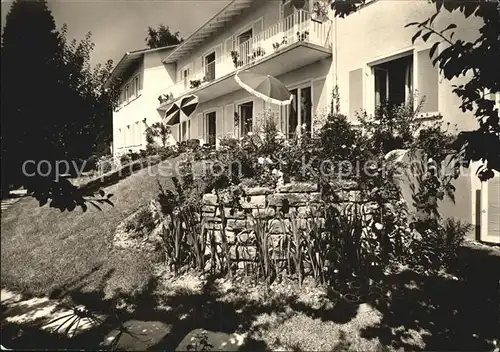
(437, 245)
(124, 159)
(392, 126)
(91, 163)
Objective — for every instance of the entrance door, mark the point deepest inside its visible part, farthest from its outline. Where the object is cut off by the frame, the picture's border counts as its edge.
(490, 210)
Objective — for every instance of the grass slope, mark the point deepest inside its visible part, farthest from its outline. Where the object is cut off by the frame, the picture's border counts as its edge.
(44, 249)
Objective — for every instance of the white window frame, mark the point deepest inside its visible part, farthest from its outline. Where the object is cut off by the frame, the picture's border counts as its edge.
(184, 126)
(185, 82)
(127, 93)
(137, 91)
(299, 86)
(369, 74)
(205, 123)
(237, 105)
(287, 2)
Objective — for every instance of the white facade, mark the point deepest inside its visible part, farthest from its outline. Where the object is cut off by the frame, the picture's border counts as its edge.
(369, 55)
(142, 74)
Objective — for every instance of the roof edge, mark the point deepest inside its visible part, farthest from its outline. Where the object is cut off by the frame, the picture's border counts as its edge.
(112, 77)
(200, 28)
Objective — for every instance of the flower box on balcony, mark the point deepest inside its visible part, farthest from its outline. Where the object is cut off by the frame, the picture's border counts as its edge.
(194, 83)
(302, 36)
(165, 98)
(235, 56)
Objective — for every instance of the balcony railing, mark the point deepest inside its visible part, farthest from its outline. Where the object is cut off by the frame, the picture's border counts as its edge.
(297, 27)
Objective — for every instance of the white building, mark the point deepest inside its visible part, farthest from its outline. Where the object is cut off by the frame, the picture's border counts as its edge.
(369, 55)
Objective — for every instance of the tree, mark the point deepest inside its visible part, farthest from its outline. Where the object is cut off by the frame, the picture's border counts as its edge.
(54, 105)
(162, 36)
(458, 58)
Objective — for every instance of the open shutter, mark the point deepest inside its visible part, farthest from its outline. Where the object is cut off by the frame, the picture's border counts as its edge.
(258, 114)
(219, 123)
(428, 82)
(229, 120)
(199, 126)
(257, 27)
(175, 132)
(193, 128)
(319, 97)
(229, 46)
(355, 92)
(219, 49)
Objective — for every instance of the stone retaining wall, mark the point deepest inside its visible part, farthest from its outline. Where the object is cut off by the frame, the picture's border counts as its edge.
(275, 210)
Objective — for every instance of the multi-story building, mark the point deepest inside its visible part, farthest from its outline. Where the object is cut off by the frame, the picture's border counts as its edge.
(369, 55)
(141, 75)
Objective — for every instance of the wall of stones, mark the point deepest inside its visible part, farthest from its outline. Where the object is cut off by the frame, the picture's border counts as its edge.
(273, 210)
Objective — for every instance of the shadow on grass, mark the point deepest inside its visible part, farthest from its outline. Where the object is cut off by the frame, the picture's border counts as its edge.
(460, 314)
(450, 314)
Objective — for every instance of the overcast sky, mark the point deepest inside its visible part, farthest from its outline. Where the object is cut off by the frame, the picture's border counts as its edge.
(119, 26)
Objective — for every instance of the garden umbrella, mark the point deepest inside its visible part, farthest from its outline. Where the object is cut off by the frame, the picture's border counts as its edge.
(189, 104)
(173, 115)
(266, 87)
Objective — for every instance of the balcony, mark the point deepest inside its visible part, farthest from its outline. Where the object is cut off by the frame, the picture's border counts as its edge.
(295, 42)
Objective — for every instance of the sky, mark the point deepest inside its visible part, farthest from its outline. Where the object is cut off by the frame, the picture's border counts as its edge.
(119, 26)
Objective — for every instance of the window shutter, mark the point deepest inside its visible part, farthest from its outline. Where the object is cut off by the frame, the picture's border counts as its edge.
(193, 131)
(355, 92)
(229, 46)
(257, 27)
(229, 120)
(200, 125)
(258, 112)
(219, 123)
(428, 82)
(175, 132)
(319, 97)
(218, 52)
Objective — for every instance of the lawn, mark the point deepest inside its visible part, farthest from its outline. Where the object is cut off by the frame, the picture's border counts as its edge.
(45, 251)
(457, 309)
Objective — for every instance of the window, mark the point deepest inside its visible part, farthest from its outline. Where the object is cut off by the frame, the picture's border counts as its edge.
(245, 112)
(393, 81)
(185, 130)
(209, 63)
(287, 9)
(185, 77)
(299, 112)
(137, 86)
(138, 133)
(245, 37)
(127, 93)
(127, 136)
(211, 129)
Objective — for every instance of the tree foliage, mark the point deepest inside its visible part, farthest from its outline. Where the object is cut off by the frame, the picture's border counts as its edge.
(458, 58)
(162, 36)
(54, 109)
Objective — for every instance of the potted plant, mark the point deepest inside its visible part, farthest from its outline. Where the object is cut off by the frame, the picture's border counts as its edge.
(301, 36)
(194, 83)
(234, 56)
(236, 118)
(277, 45)
(165, 98)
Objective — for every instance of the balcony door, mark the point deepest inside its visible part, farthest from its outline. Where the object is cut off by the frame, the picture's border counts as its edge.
(211, 127)
(243, 45)
(299, 112)
(245, 112)
(209, 63)
(293, 16)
